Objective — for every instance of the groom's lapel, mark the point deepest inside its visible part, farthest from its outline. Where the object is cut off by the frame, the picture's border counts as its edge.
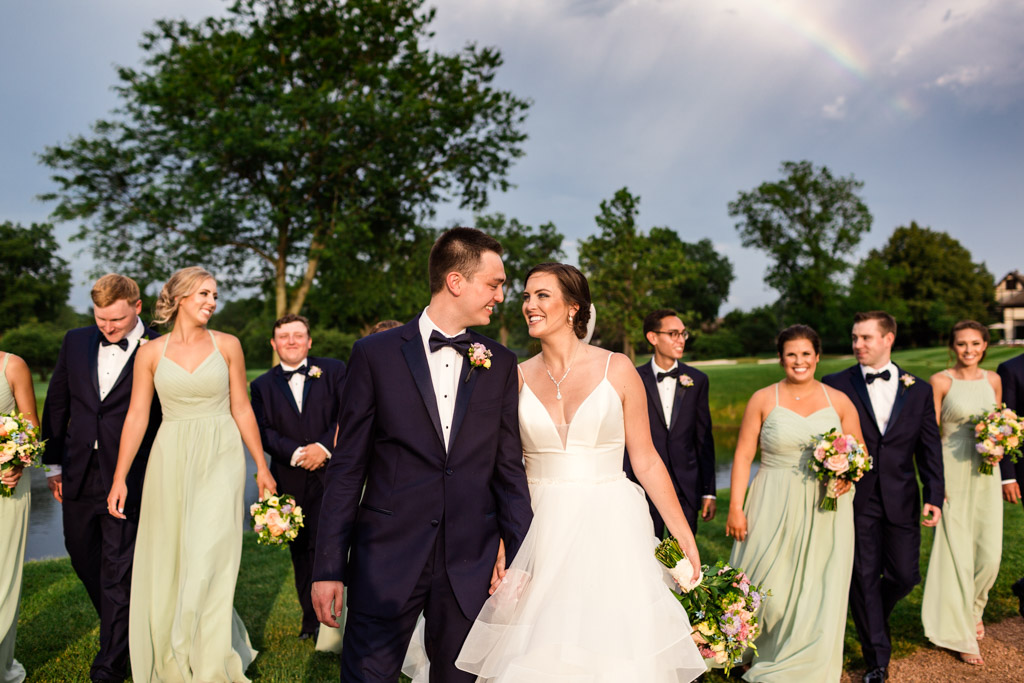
(94, 361)
(467, 381)
(861, 387)
(416, 359)
(897, 405)
(282, 384)
(647, 375)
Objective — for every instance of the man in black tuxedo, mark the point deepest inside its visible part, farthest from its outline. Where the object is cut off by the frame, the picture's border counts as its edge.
(296, 405)
(897, 418)
(1012, 374)
(435, 440)
(677, 405)
(85, 408)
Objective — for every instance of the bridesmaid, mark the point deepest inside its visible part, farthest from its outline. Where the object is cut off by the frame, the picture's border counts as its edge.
(969, 538)
(182, 625)
(804, 555)
(16, 395)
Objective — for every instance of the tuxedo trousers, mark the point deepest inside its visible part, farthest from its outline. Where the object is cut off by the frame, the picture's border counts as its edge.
(886, 567)
(101, 548)
(303, 548)
(374, 649)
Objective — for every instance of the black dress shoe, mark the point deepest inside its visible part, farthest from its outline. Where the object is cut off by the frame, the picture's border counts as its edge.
(879, 674)
(1018, 590)
(306, 635)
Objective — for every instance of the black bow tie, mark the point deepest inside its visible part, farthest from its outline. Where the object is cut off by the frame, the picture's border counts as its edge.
(288, 374)
(674, 372)
(870, 377)
(123, 343)
(459, 342)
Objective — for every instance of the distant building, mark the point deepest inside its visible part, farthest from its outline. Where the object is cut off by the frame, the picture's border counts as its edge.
(1010, 305)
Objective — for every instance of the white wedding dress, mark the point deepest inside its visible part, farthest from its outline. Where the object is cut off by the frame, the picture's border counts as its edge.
(585, 600)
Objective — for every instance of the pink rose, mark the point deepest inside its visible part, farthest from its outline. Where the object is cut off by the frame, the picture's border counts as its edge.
(819, 453)
(837, 463)
(842, 444)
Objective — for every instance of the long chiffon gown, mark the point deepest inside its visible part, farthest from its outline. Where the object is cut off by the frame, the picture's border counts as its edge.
(803, 554)
(13, 530)
(585, 600)
(969, 537)
(182, 625)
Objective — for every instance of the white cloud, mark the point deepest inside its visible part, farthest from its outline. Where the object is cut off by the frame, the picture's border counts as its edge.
(836, 109)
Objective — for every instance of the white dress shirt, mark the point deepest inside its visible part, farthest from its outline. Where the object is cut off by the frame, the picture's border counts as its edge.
(110, 362)
(297, 383)
(445, 368)
(666, 390)
(882, 393)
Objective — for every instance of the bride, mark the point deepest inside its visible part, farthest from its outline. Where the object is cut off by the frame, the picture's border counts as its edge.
(584, 599)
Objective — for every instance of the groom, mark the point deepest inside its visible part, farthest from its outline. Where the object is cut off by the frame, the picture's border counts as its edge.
(85, 408)
(897, 418)
(433, 436)
(1012, 374)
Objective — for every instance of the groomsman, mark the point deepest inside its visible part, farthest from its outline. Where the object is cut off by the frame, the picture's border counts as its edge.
(897, 418)
(677, 403)
(1012, 374)
(296, 405)
(84, 412)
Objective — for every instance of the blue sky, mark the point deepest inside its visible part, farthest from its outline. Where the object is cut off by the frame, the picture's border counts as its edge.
(684, 102)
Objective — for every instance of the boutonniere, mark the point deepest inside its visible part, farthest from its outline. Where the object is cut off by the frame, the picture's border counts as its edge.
(686, 380)
(315, 372)
(907, 379)
(142, 341)
(479, 357)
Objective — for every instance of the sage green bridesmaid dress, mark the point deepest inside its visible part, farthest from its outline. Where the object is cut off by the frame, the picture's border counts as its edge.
(13, 530)
(969, 537)
(803, 554)
(182, 625)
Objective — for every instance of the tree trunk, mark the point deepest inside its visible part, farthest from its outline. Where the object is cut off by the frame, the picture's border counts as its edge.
(503, 335)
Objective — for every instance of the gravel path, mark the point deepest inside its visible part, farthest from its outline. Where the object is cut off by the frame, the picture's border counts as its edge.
(1002, 648)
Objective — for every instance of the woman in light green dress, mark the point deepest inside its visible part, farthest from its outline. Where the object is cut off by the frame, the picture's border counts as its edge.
(16, 395)
(802, 554)
(182, 625)
(969, 537)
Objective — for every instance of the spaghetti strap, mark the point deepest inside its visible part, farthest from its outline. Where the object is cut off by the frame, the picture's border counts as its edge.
(607, 364)
(827, 397)
(776, 394)
(7, 357)
(521, 375)
(167, 338)
(213, 338)
(948, 374)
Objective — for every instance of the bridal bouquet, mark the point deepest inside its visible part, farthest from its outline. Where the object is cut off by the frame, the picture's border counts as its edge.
(837, 457)
(276, 519)
(722, 606)
(20, 446)
(999, 434)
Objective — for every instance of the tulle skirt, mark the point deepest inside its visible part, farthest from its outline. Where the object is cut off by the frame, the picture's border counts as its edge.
(585, 600)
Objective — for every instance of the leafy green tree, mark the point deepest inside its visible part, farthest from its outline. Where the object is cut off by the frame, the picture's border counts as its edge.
(263, 141)
(524, 247)
(808, 223)
(34, 280)
(927, 280)
(37, 343)
(755, 329)
(629, 273)
(704, 286)
(722, 343)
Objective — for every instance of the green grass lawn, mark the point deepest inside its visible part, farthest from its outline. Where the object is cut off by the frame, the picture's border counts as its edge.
(58, 629)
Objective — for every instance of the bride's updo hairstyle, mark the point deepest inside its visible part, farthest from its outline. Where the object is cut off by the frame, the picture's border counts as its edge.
(181, 285)
(575, 290)
(794, 332)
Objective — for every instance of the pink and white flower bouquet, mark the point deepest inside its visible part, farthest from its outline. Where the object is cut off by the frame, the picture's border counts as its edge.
(722, 606)
(276, 519)
(837, 457)
(999, 434)
(20, 446)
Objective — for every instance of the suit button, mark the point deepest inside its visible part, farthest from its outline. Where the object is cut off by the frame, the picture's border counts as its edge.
(434, 522)
(449, 471)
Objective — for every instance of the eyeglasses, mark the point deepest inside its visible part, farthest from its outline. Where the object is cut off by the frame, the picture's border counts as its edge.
(675, 335)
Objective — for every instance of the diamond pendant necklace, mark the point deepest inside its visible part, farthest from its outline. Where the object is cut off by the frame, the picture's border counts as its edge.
(558, 383)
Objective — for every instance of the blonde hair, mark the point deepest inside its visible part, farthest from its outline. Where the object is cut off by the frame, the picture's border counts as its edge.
(113, 287)
(183, 283)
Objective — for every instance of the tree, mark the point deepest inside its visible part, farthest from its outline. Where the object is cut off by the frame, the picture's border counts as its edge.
(37, 343)
(264, 140)
(704, 287)
(629, 273)
(755, 329)
(524, 247)
(809, 223)
(34, 280)
(927, 280)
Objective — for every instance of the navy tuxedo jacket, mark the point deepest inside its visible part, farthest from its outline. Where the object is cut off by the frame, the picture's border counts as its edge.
(1012, 374)
(74, 418)
(378, 540)
(912, 435)
(686, 445)
(283, 428)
